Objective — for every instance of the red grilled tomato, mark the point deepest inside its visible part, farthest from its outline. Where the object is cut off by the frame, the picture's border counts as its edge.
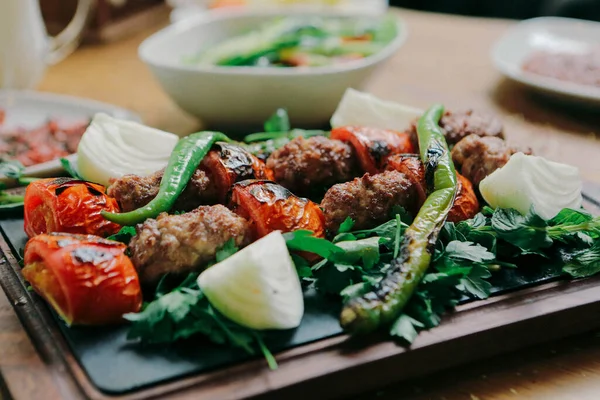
(413, 169)
(227, 164)
(374, 146)
(270, 207)
(68, 205)
(86, 279)
(466, 204)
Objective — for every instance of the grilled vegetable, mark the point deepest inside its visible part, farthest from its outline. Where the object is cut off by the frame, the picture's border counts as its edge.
(68, 205)
(86, 279)
(466, 204)
(374, 146)
(254, 293)
(228, 164)
(271, 207)
(385, 302)
(184, 161)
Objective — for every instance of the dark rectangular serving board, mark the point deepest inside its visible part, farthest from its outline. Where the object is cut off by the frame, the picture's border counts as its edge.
(118, 367)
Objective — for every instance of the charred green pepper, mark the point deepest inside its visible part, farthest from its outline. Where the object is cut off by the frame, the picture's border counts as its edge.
(185, 158)
(383, 304)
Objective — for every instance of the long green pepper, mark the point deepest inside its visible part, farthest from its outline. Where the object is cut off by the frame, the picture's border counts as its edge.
(385, 302)
(184, 160)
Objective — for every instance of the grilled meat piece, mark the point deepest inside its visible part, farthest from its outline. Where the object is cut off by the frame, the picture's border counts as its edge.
(220, 169)
(476, 157)
(466, 204)
(310, 166)
(458, 125)
(184, 243)
(133, 191)
(368, 200)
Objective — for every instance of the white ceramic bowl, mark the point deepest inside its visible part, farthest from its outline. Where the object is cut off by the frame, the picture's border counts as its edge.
(238, 97)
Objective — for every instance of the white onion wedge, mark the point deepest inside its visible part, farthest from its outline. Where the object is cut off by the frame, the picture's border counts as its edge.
(363, 109)
(530, 181)
(257, 287)
(111, 148)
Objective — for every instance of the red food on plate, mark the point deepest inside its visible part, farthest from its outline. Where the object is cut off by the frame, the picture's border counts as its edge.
(40, 144)
(414, 170)
(68, 205)
(270, 207)
(374, 146)
(466, 204)
(227, 164)
(86, 279)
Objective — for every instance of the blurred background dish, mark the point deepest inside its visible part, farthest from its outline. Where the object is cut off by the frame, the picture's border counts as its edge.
(252, 94)
(29, 111)
(559, 56)
(187, 8)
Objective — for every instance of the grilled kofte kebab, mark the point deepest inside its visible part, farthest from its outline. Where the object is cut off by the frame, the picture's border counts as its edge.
(175, 241)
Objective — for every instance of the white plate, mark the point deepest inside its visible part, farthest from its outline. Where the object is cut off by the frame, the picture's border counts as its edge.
(552, 34)
(30, 109)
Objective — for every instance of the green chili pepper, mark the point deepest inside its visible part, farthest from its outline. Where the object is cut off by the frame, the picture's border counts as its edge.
(385, 302)
(185, 158)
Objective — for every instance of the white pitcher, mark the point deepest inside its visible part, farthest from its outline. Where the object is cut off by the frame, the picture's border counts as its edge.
(25, 47)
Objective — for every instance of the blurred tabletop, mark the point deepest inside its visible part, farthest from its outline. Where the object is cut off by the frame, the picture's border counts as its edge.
(446, 59)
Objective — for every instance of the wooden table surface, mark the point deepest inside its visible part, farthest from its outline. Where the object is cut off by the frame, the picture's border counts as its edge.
(446, 59)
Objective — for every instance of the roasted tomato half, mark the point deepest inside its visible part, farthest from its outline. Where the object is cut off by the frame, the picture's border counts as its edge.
(374, 146)
(466, 204)
(413, 168)
(86, 279)
(227, 164)
(270, 207)
(68, 205)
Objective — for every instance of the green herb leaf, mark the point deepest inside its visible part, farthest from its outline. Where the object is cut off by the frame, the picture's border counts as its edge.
(365, 250)
(346, 226)
(68, 167)
(124, 235)
(526, 232)
(303, 240)
(406, 328)
(469, 251)
(582, 263)
(475, 283)
(278, 122)
(228, 249)
(12, 169)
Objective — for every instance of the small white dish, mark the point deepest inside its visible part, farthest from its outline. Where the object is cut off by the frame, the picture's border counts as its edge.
(551, 34)
(236, 97)
(29, 109)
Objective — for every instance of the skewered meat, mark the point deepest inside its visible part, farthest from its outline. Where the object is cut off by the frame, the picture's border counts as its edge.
(369, 200)
(458, 125)
(133, 191)
(466, 204)
(476, 157)
(412, 167)
(310, 166)
(221, 168)
(184, 243)
(270, 207)
(374, 146)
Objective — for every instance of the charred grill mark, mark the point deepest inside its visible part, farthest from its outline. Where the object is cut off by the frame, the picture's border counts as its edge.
(237, 160)
(378, 149)
(268, 192)
(433, 158)
(90, 255)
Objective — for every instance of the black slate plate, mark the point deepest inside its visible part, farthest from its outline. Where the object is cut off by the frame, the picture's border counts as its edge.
(117, 367)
